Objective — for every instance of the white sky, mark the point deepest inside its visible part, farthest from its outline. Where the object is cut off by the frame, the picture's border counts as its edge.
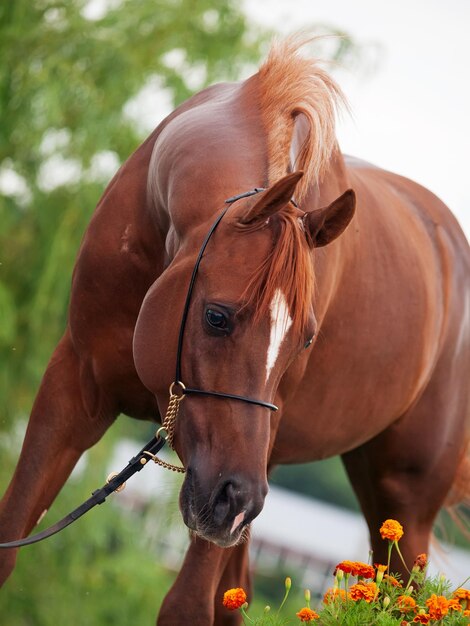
(412, 115)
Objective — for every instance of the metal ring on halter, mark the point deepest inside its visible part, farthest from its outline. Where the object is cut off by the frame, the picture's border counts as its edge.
(158, 433)
(182, 387)
(121, 487)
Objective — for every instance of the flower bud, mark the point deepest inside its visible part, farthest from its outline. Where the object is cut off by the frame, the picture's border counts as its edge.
(267, 608)
(288, 583)
(339, 574)
(420, 563)
(307, 595)
(386, 602)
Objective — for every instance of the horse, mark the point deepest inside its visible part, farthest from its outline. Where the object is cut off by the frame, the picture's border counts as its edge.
(326, 288)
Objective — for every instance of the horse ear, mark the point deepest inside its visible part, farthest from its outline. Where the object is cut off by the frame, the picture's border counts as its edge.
(324, 225)
(273, 199)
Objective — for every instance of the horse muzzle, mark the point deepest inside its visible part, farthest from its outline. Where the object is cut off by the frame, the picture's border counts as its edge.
(221, 514)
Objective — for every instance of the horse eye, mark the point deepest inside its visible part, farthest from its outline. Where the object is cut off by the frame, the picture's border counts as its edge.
(216, 319)
(308, 343)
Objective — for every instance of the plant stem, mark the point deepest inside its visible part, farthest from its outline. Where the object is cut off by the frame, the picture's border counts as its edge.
(284, 600)
(390, 546)
(245, 615)
(401, 556)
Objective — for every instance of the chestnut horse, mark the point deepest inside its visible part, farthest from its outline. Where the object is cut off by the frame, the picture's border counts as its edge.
(354, 319)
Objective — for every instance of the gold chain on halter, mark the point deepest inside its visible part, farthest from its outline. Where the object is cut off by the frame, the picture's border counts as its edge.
(167, 429)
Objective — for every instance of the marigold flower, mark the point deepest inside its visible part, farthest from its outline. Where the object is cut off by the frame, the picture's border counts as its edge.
(462, 594)
(363, 570)
(420, 562)
(391, 530)
(380, 568)
(454, 605)
(333, 593)
(391, 580)
(355, 568)
(307, 615)
(438, 606)
(406, 604)
(363, 591)
(466, 613)
(234, 598)
(344, 566)
(422, 618)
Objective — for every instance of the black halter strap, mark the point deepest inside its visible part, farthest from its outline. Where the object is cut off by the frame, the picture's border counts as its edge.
(178, 379)
(114, 483)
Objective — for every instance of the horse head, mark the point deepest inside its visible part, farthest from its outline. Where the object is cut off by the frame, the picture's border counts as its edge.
(248, 317)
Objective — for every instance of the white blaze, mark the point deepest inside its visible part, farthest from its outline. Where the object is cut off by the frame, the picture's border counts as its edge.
(280, 323)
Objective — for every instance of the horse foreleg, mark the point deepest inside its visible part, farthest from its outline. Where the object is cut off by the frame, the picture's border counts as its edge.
(69, 415)
(236, 574)
(207, 572)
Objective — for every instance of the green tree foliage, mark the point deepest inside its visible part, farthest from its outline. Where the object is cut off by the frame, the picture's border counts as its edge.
(65, 80)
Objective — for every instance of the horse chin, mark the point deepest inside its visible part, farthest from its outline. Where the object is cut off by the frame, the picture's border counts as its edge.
(225, 540)
(222, 537)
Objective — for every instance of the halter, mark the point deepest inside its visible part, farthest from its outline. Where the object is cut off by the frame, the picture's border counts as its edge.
(178, 390)
(116, 481)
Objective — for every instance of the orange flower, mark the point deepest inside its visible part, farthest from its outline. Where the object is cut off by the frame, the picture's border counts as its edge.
(356, 568)
(363, 570)
(466, 613)
(234, 598)
(331, 595)
(462, 594)
(307, 615)
(391, 530)
(420, 562)
(406, 604)
(438, 606)
(363, 591)
(381, 568)
(345, 566)
(391, 580)
(454, 605)
(422, 618)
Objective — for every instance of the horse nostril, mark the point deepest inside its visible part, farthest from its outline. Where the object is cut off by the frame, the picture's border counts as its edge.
(224, 502)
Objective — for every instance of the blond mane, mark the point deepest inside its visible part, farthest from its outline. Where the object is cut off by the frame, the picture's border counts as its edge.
(289, 85)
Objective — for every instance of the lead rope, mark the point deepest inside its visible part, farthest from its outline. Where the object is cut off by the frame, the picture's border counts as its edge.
(167, 429)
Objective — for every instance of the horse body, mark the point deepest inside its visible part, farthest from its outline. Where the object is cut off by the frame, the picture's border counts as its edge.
(385, 383)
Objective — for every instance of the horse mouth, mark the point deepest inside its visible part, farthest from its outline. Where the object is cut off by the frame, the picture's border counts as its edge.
(227, 539)
(224, 537)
